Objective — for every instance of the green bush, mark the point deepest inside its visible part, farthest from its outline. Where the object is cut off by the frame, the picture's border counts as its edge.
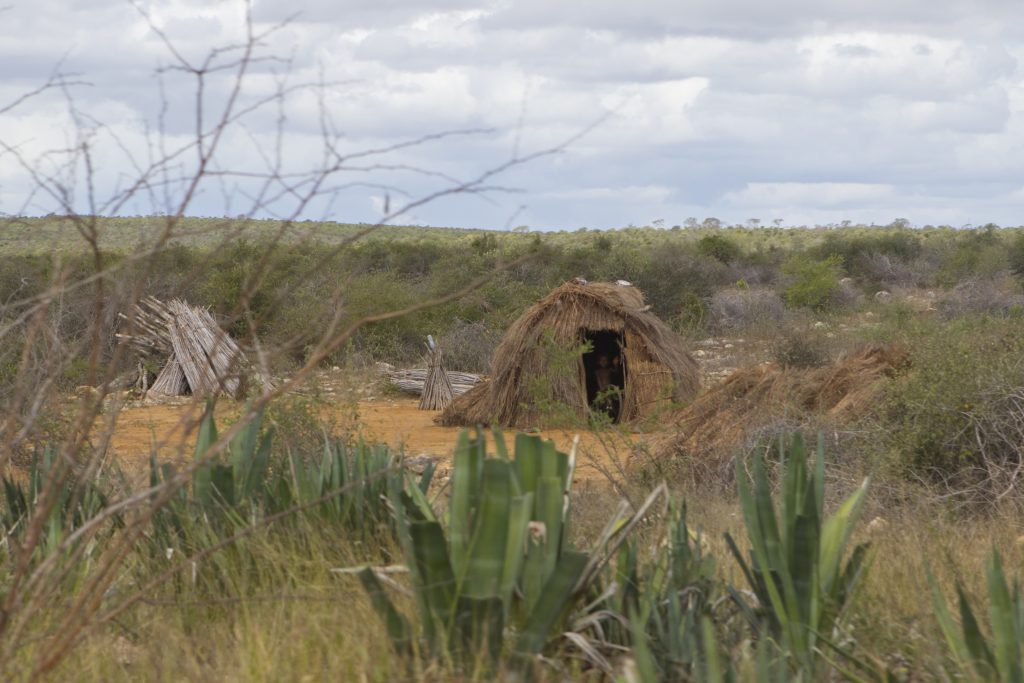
(674, 273)
(692, 316)
(814, 283)
(800, 349)
(1015, 254)
(263, 473)
(902, 245)
(297, 297)
(954, 412)
(977, 253)
(719, 247)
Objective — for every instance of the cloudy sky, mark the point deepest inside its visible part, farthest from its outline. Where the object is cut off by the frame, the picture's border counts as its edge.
(596, 113)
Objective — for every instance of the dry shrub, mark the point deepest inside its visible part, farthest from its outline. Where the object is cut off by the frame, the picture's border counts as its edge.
(956, 420)
(887, 272)
(741, 308)
(468, 347)
(977, 296)
(847, 294)
(758, 401)
(800, 348)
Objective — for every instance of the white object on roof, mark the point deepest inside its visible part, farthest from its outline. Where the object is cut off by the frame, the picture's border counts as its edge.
(623, 283)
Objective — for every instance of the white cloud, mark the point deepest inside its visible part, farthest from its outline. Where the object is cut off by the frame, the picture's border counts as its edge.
(817, 111)
(645, 193)
(810, 195)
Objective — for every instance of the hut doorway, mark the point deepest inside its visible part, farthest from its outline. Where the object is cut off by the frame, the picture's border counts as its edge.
(605, 371)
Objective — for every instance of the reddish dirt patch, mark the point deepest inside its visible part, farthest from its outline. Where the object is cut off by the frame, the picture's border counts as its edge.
(397, 422)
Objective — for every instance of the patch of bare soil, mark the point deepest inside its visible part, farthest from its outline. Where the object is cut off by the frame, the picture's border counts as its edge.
(398, 422)
(168, 429)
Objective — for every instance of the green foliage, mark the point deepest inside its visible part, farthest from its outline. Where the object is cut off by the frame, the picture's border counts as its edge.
(294, 286)
(693, 313)
(953, 409)
(813, 282)
(74, 373)
(561, 363)
(673, 274)
(718, 247)
(796, 565)
(855, 250)
(303, 422)
(345, 485)
(800, 349)
(998, 656)
(1015, 254)
(75, 504)
(670, 606)
(502, 579)
(976, 253)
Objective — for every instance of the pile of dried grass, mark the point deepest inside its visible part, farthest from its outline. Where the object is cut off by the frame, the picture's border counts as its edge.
(753, 398)
(524, 377)
(201, 359)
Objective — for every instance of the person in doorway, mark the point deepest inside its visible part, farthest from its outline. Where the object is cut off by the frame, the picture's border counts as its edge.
(617, 377)
(603, 374)
(604, 381)
(618, 381)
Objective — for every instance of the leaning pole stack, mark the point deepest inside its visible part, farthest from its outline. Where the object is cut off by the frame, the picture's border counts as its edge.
(437, 388)
(201, 358)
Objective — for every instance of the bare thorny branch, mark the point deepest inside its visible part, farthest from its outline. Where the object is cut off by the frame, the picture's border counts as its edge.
(33, 581)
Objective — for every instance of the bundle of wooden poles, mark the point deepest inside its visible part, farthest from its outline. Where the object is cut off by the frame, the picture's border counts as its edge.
(437, 389)
(201, 358)
(412, 381)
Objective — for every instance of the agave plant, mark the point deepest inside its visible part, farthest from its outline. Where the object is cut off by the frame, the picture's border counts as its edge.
(975, 656)
(796, 565)
(659, 610)
(501, 578)
(77, 502)
(346, 484)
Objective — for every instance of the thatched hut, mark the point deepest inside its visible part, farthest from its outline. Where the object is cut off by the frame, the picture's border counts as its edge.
(633, 367)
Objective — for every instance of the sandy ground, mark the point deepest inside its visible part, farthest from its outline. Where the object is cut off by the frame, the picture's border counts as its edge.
(397, 422)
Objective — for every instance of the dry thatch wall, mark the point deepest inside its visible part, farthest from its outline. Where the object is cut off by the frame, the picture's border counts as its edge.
(527, 370)
(753, 398)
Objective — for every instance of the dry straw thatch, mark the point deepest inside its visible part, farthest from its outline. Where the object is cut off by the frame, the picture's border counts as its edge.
(528, 375)
(754, 398)
(200, 358)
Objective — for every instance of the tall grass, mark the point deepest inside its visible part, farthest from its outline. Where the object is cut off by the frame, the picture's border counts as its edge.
(666, 601)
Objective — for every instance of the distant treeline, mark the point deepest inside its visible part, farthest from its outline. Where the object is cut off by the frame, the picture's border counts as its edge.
(687, 274)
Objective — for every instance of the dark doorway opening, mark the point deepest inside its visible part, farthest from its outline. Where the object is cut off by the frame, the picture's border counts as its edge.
(605, 371)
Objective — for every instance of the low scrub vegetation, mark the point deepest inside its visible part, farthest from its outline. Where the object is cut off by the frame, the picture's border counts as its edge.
(702, 280)
(285, 547)
(486, 584)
